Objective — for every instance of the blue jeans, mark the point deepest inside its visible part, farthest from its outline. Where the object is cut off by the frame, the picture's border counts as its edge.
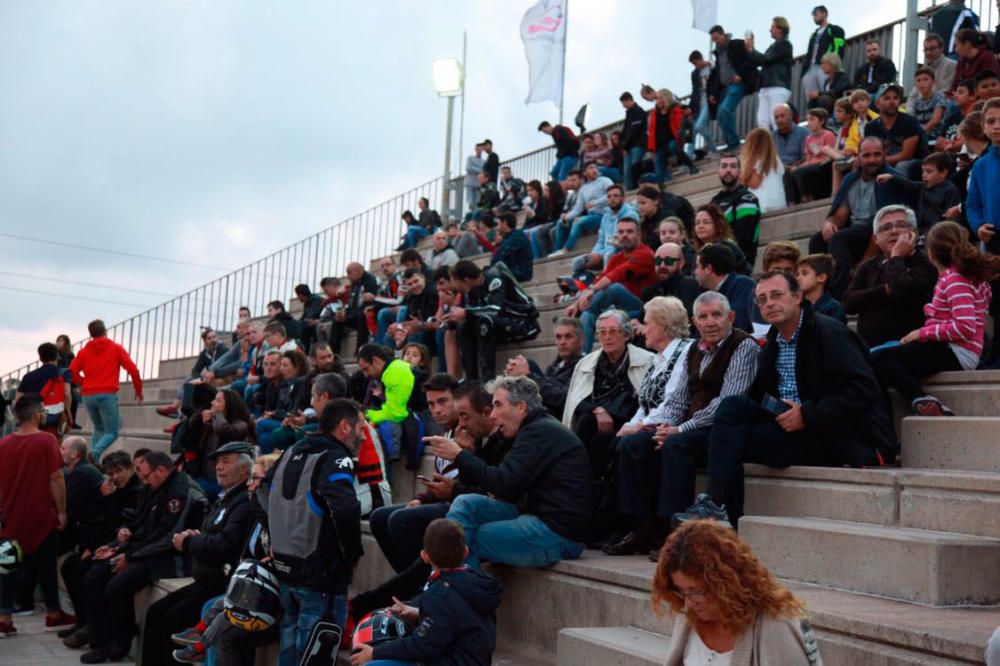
(539, 239)
(610, 172)
(582, 224)
(727, 114)
(662, 163)
(439, 342)
(264, 429)
(382, 321)
(413, 235)
(103, 411)
(701, 129)
(633, 158)
(303, 608)
(560, 170)
(612, 296)
(496, 532)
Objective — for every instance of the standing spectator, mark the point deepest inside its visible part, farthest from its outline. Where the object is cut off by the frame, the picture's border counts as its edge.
(876, 72)
(51, 384)
(315, 532)
(826, 39)
(363, 289)
(95, 369)
(926, 103)
(715, 270)
(775, 73)
(663, 135)
(538, 503)
(698, 102)
(935, 59)
(934, 196)
(633, 138)
(515, 249)
(710, 228)
(889, 290)
(671, 278)
(952, 336)
(950, 20)
(904, 140)
(702, 570)
(553, 383)
(739, 205)
(312, 306)
(66, 357)
(492, 166)
(763, 170)
(33, 503)
(441, 254)
(567, 148)
(733, 77)
(473, 167)
(811, 180)
(605, 246)
(983, 204)
(585, 217)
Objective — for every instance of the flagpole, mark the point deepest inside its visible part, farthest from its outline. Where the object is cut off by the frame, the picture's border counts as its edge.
(461, 121)
(562, 93)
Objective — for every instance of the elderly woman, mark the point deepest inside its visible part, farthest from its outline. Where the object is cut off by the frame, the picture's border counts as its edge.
(729, 608)
(604, 391)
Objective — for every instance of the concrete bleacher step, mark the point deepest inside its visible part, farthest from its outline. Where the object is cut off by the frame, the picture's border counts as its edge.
(602, 646)
(941, 568)
(969, 443)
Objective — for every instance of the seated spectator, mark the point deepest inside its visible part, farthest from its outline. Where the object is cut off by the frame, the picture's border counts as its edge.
(789, 137)
(287, 395)
(260, 396)
(362, 292)
(739, 205)
(460, 600)
(335, 300)
(963, 99)
(876, 72)
(276, 314)
(814, 401)
(553, 382)
(836, 83)
(421, 304)
(85, 503)
(629, 271)
(312, 306)
(848, 226)
(781, 255)
(762, 172)
(567, 149)
(445, 332)
(534, 205)
(715, 270)
(889, 290)
(212, 350)
(656, 478)
(214, 550)
(663, 136)
(605, 245)
(235, 363)
(702, 570)
(515, 249)
(538, 230)
(863, 114)
(396, 380)
(939, 63)
(901, 134)
(585, 217)
(419, 359)
(926, 103)
(487, 196)
(604, 390)
(948, 20)
(983, 203)
(934, 195)
(441, 254)
(53, 386)
(671, 280)
(295, 426)
(537, 505)
(811, 180)
(671, 230)
(414, 231)
(610, 159)
(844, 151)
(987, 85)
(654, 205)
(497, 309)
(227, 419)
(427, 218)
(775, 72)
(710, 228)
(974, 55)
(952, 335)
(511, 191)
(813, 272)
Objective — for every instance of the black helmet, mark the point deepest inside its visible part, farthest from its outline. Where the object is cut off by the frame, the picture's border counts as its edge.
(252, 601)
(378, 627)
(11, 555)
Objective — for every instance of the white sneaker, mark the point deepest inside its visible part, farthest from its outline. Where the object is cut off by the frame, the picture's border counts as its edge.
(557, 253)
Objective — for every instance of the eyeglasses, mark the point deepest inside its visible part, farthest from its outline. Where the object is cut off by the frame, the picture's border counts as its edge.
(604, 332)
(697, 595)
(773, 296)
(665, 261)
(889, 226)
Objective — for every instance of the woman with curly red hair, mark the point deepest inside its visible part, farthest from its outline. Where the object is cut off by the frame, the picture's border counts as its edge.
(730, 610)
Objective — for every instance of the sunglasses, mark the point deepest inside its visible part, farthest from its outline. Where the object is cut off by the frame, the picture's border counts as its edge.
(668, 261)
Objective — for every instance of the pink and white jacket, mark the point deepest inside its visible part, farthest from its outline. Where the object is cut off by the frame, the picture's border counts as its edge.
(957, 312)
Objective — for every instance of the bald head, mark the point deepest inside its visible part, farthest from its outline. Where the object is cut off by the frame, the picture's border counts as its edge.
(783, 118)
(355, 271)
(669, 261)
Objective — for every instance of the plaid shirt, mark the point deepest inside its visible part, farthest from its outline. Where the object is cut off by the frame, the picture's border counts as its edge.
(788, 388)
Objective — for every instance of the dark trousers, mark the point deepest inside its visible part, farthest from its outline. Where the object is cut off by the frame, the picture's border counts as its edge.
(405, 585)
(660, 483)
(338, 329)
(847, 247)
(399, 530)
(73, 571)
(111, 603)
(478, 352)
(173, 613)
(238, 648)
(903, 367)
(38, 568)
(599, 445)
(814, 180)
(742, 432)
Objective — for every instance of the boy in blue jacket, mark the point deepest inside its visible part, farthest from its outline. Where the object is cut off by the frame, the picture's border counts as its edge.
(455, 616)
(982, 205)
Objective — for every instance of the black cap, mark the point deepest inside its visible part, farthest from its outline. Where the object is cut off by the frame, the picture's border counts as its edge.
(232, 447)
(894, 87)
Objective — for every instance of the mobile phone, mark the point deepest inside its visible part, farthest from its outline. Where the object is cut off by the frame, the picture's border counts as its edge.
(773, 405)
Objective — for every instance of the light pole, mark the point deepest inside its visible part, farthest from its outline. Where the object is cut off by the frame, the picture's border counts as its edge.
(448, 83)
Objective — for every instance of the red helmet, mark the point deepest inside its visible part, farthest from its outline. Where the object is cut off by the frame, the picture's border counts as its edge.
(378, 627)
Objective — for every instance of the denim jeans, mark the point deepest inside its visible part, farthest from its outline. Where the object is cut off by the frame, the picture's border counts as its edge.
(610, 172)
(382, 321)
(581, 225)
(496, 532)
(661, 162)
(303, 608)
(539, 239)
(413, 235)
(264, 429)
(727, 114)
(613, 296)
(103, 411)
(701, 124)
(633, 158)
(560, 170)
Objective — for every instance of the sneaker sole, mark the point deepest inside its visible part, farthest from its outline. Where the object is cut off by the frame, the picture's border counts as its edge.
(183, 641)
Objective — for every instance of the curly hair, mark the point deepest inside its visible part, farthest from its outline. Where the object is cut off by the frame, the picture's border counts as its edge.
(722, 229)
(733, 576)
(948, 244)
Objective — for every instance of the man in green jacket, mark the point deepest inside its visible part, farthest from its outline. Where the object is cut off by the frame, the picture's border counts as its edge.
(396, 378)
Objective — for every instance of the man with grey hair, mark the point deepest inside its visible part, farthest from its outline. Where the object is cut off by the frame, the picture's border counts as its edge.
(553, 383)
(364, 287)
(889, 290)
(214, 551)
(539, 500)
(723, 363)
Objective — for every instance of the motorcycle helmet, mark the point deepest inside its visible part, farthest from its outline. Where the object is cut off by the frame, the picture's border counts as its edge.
(11, 555)
(378, 627)
(252, 601)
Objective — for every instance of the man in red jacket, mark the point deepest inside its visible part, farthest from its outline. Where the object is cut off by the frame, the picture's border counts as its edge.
(629, 271)
(95, 369)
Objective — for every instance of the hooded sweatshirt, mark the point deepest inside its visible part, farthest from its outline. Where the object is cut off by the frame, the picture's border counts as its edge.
(457, 621)
(95, 368)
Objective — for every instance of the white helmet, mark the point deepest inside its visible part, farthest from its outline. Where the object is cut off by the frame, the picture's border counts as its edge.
(11, 555)
(252, 601)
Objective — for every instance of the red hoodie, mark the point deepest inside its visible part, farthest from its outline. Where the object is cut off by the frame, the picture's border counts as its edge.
(95, 367)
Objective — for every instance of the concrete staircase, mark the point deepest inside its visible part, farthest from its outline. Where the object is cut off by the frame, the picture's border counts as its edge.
(897, 566)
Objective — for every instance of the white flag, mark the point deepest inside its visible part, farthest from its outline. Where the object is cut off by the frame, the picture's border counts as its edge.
(543, 31)
(706, 14)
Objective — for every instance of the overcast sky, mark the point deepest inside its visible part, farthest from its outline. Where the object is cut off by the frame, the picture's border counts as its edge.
(215, 132)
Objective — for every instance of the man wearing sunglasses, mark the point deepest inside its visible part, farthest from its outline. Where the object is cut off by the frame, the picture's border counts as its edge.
(671, 281)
